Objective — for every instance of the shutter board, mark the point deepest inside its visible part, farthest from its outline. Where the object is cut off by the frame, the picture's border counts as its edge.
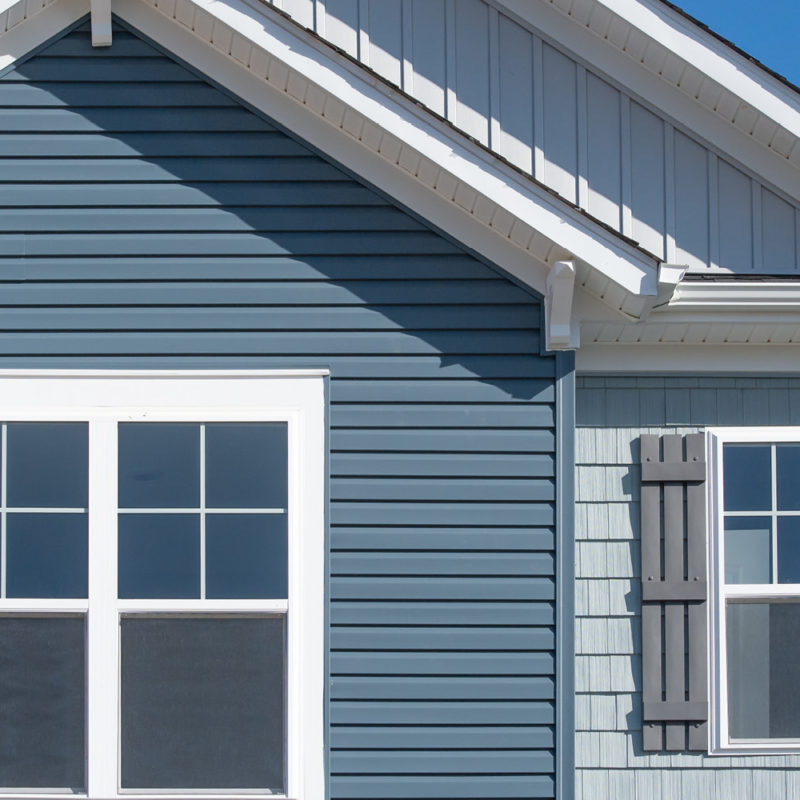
(674, 593)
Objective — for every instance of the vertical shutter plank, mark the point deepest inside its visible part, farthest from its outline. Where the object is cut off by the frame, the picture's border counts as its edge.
(674, 612)
(696, 571)
(652, 733)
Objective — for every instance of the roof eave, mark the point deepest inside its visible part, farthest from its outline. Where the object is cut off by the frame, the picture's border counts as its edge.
(338, 108)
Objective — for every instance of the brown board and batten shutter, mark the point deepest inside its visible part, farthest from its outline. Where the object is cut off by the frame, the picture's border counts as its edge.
(674, 593)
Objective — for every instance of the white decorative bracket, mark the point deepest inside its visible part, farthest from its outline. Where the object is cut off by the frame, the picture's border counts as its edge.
(561, 333)
(101, 22)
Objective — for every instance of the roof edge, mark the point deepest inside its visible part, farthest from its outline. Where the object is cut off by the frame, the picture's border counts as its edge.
(703, 72)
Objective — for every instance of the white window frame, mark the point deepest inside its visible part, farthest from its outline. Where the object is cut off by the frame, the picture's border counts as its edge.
(720, 593)
(105, 397)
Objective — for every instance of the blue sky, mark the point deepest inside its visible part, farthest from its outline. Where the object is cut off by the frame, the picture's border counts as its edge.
(769, 30)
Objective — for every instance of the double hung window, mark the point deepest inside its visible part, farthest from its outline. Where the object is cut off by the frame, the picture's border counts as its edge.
(161, 584)
(755, 578)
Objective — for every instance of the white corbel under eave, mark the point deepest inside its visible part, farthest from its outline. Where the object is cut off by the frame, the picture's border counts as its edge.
(560, 331)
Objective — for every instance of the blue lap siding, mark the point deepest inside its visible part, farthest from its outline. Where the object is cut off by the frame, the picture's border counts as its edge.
(149, 220)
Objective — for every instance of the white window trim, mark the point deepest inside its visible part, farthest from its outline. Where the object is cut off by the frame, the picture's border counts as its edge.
(105, 397)
(720, 743)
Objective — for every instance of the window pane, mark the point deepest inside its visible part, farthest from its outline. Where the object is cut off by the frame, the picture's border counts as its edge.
(787, 465)
(159, 465)
(246, 555)
(159, 555)
(47, 555)
(246, 465)
(788, 549)
(203, 703)
(47, 464)
(763, 652)
(748, 481)
(42, 702)
(748, 548)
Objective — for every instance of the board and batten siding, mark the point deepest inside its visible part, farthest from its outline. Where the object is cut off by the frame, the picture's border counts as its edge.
(611, 414)
(549, 114)
(151, 221)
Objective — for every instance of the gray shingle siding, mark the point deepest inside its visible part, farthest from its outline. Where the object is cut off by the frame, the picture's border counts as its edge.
(150, 221)
(612, 412)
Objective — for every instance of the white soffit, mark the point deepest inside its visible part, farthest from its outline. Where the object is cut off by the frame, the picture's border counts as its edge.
(687, 72)
(334, 105)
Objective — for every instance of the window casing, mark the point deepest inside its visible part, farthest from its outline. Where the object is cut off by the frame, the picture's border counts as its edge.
(271, 630)
(754, 558)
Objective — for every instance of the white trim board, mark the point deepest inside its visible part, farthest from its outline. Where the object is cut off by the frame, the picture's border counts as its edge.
(685, 71)
(279, 69)
(678, 359)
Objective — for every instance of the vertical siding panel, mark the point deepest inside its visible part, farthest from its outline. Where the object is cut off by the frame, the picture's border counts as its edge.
(691, 203)
(515, 107)
(604, 170)
(363, 31)
(735, 219)
(560, 123)
(341, 25)
(713, 211)
(669, 193)
(450, 97)
(427, 53)
(472, 69)
(626, 177)
(319, 18)
(302, 11)
(583, 134)
(758, 245)
(538, 110)
(647, 179)
(386, 40)
(777, 233)
(407, 46)
(494, 79)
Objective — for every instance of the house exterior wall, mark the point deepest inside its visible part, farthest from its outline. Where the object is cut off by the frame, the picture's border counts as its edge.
(151, 221)
(554, 117)
(611, 414)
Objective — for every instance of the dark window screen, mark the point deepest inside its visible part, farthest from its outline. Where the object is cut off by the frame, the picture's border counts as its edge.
(42, 702)
(203, 703)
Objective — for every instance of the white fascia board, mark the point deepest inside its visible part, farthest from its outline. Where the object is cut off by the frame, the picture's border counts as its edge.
(27, 23)
(339, 109)
(721, 63)
(747, 296)
(675, 359)
(744, 295)
(603, 56)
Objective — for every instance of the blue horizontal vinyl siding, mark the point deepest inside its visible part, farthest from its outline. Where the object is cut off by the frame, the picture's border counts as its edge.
(151, 221)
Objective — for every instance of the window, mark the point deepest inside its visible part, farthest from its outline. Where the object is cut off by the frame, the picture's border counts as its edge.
(755, 578)
(161, 584)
